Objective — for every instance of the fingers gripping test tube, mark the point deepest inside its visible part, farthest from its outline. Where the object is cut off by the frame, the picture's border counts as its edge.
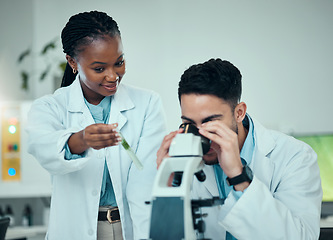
(130, 152)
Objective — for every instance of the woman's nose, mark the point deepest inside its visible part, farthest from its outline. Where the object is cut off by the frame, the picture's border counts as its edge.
(111, 76)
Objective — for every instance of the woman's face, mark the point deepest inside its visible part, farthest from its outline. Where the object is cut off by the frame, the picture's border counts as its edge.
(101, 66)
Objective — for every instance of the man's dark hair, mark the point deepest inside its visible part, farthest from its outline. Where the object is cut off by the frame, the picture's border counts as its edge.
(81, 30)
(214, 77)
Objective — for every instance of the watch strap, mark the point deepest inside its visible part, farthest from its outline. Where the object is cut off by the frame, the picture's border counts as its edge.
(243, 177)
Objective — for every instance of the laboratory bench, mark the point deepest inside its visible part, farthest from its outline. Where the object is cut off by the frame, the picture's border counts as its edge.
(26, 233)
(38, 232)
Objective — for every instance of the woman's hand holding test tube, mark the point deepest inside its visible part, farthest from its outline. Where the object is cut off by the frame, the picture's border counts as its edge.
(99, 136)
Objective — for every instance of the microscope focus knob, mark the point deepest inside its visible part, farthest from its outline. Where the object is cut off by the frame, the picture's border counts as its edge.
(201, 176)
(200, 226)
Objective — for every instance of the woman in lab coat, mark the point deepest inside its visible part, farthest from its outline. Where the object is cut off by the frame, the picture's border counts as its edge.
(97, 191)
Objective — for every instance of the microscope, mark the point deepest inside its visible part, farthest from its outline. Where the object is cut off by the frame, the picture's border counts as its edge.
(174, 214)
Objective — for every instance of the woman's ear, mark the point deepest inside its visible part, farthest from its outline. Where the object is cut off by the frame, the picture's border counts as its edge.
(72, 62)
(240, 112)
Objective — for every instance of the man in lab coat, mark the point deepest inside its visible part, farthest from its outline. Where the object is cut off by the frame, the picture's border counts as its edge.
(270, 181)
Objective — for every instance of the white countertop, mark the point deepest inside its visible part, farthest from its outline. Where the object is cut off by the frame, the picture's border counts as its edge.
(326, 222)
(24, 232)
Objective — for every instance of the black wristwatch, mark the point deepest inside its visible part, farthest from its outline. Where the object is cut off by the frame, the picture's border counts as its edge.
(245, 176)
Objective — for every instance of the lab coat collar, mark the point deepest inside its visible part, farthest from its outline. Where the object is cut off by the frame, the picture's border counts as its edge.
(262, 166)
(122, 99)
(76, 99)
(262, 134)
(210, 182)
(121, 102)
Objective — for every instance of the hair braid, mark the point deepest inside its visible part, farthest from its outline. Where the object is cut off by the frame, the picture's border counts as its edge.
(81, 30)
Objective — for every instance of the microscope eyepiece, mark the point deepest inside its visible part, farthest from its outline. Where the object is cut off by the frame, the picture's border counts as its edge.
(191, 128)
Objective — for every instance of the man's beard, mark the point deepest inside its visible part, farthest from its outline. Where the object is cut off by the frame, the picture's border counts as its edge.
(215, 160)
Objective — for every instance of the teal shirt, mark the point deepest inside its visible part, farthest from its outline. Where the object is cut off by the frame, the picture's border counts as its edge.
(100, 113)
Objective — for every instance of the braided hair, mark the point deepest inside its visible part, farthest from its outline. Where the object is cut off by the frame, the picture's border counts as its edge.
(215, 77)
(80, 31)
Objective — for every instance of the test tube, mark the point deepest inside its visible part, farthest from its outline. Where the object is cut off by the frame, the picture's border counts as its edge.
(130, 152)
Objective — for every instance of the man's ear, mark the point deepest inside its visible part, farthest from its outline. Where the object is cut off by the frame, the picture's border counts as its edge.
(72, 62)
(240, 112)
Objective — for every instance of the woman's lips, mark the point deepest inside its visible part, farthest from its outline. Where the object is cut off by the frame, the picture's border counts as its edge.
(111, 87)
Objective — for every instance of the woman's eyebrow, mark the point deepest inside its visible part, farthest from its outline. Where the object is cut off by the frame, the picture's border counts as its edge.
(101, 63)
(96, 62)
(121, 56)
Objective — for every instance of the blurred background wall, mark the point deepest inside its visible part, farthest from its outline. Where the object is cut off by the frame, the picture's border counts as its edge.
(283, 49)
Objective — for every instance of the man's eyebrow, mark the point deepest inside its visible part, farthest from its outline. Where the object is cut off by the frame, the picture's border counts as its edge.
(187, 119)
(210, 118)
(207, 119)
(96, 62)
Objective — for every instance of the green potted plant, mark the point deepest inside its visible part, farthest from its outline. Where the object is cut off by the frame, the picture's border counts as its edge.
(53, 65)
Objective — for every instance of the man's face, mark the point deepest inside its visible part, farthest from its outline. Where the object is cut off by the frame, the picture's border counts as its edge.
(198, 109)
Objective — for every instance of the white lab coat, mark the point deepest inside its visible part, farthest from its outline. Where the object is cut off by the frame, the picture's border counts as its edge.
(76, 184)
(282, 202)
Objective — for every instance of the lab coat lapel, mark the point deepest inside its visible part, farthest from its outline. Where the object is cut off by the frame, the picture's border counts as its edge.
(210, 182)
(76, 99)
(261, 164)
(121, 102)
(76, 104)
